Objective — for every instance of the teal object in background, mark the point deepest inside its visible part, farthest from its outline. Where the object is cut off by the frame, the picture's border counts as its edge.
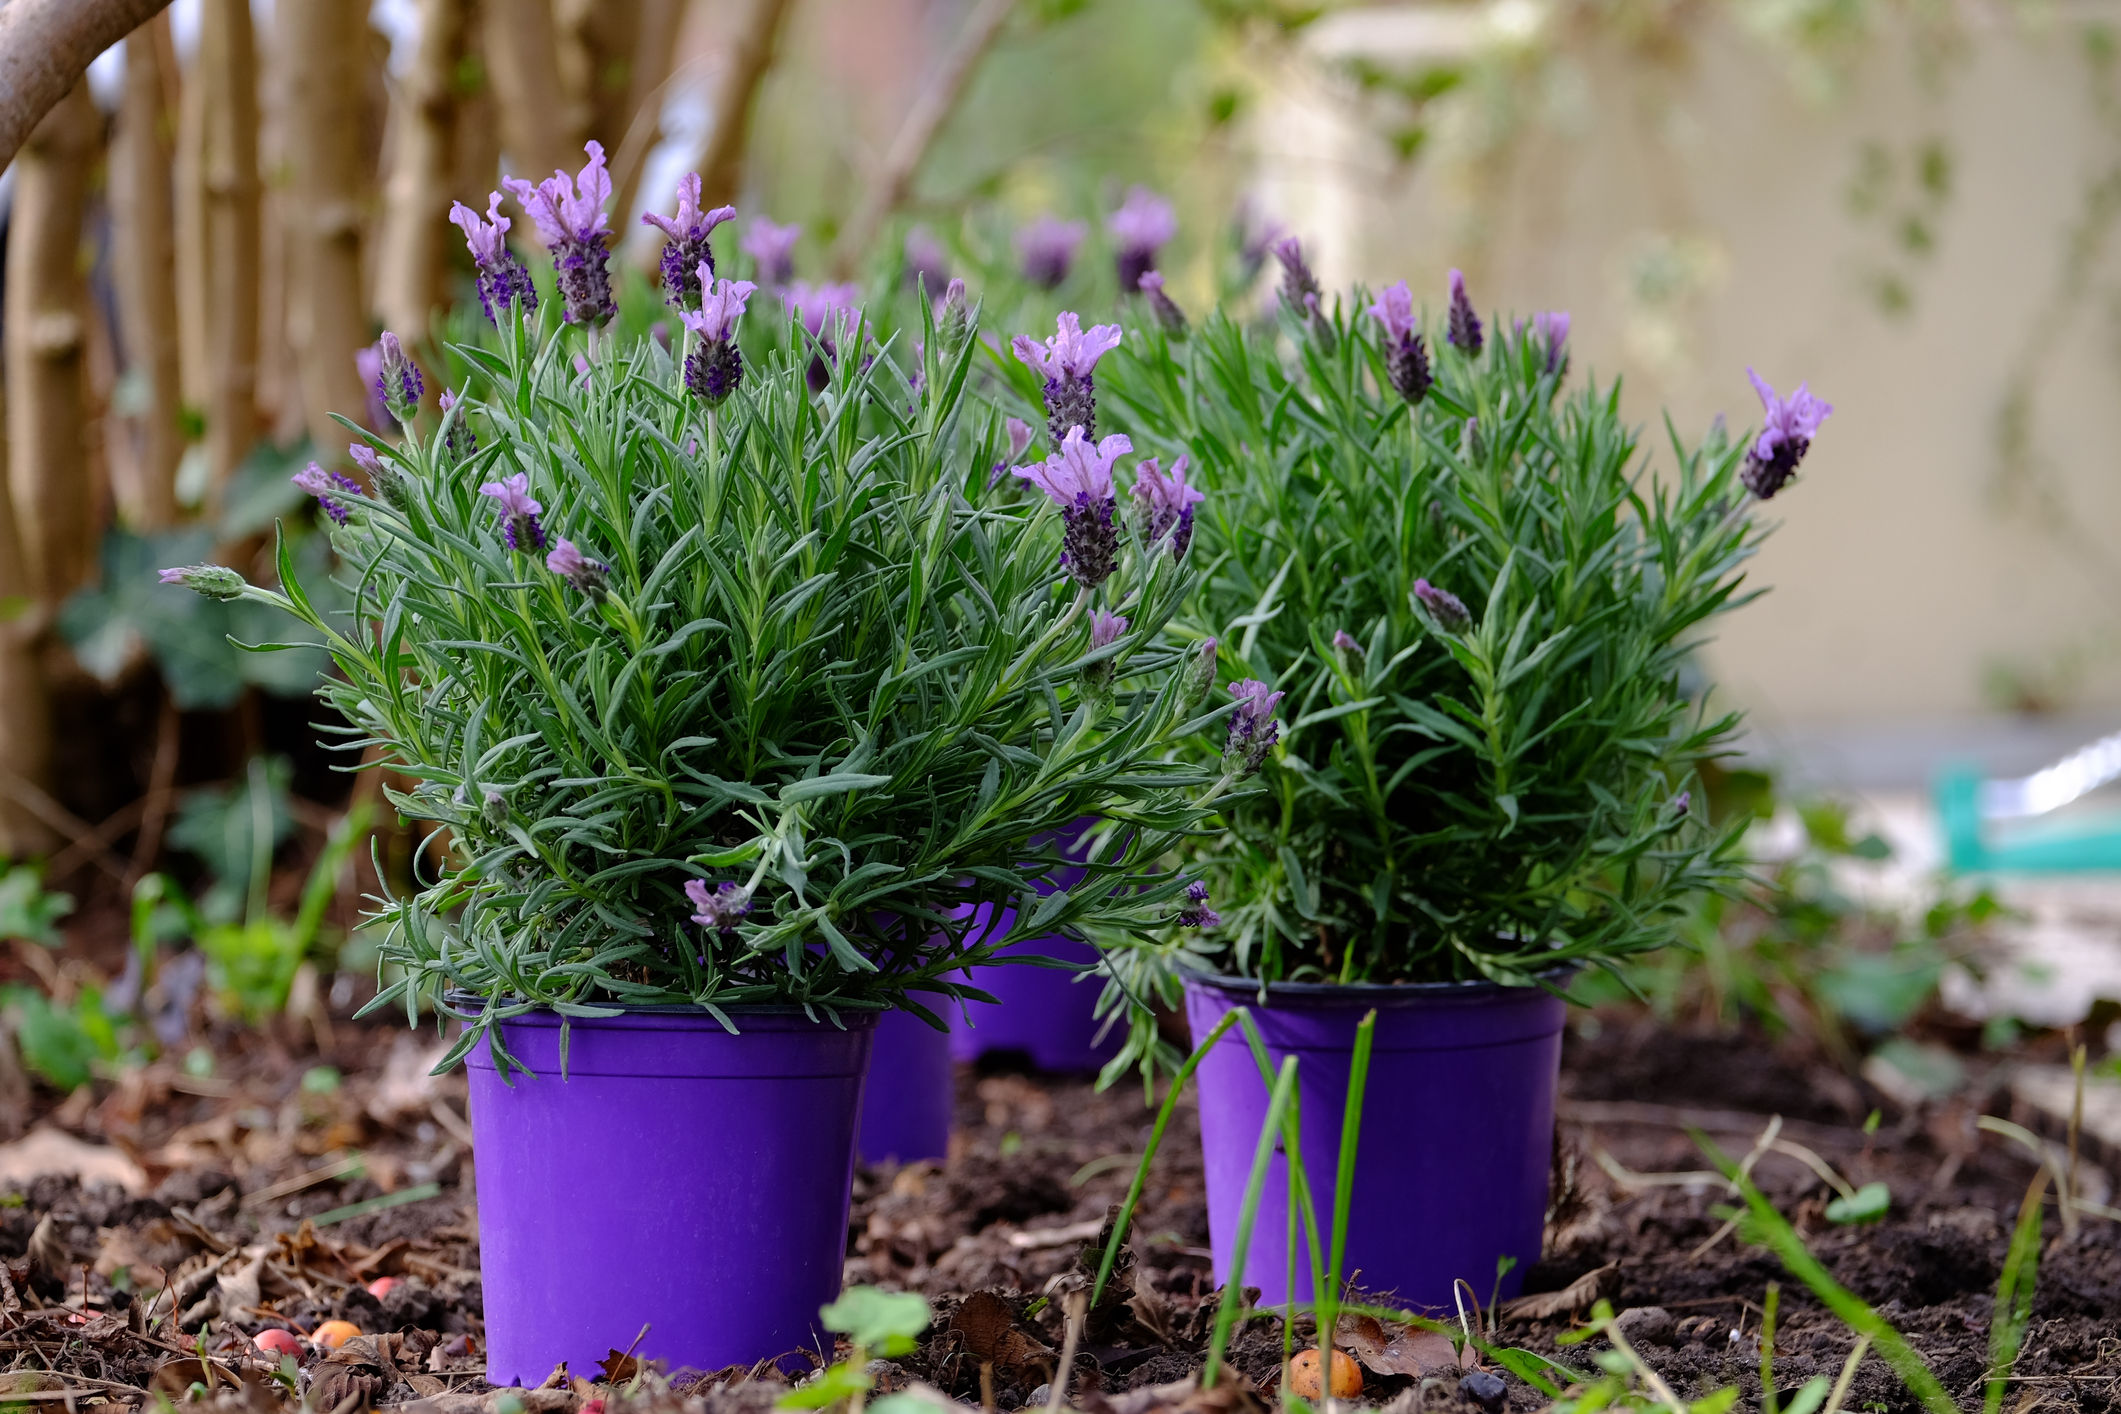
(2003, 825)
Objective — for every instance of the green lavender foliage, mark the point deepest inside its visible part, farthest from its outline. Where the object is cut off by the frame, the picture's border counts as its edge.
(1488, 801)
(824, 670)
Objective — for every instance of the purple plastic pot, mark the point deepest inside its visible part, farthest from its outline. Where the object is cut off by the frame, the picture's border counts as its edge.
(911, 1091)
(1451, 1165)
(678, 1177)
(1042, 1013)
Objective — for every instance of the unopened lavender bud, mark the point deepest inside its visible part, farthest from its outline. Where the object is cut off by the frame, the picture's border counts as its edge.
(1196, 913)
(458, 440)
(1344, 642)
(954, 321)
(1169, 317)
(1200, 677)
(214, 581)
(330, 488)
(398, 381)
(495, 809)
(1447, 609)
(1019, 432)
(569, 563)
(1105, 630)
(1464, 328)
(1682, 802)
(1253, 728)
(1164, 505)
(1300, 290)
(1406, 360)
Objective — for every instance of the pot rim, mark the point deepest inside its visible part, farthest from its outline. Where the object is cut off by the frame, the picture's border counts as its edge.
(1373, 991)
(466, 1006)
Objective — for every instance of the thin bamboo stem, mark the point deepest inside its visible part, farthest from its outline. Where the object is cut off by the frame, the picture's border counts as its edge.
(752, 47)
(418, 173)
(636, 125)
(522, 58)
(144, 262)
(46, 334)
(25, 706)
(221, 117)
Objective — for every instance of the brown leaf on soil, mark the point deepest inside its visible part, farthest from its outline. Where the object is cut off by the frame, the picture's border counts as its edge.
(533, 1401)
(620, 1366)
(1388, 1348)
(29, 1382)
(156, 1245)
(48, 1252)
(1601, 1282)
(53, 1151)
(988, 1327)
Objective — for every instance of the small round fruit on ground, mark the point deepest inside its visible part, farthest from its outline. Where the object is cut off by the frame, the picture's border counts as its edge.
(333, 1334)
(382, 1287)
(274, 1341)
(1303, 1375)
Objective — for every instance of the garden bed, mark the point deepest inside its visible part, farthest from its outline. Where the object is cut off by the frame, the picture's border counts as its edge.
(243, 1182)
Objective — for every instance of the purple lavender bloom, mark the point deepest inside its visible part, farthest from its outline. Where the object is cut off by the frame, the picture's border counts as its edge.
(688, 256)
(1406, 361)
(1682, 802)
(1446, 608)
(1169, 317)
(1551, 328)
(570, 216)
(772, 250)
(585, 574)
(368, 367)
(1045, 249)
(502, 278)
(1078, 478)
(718, 907)
(1143, 225)
(214, 581)
(1019, 442)
(398, 383)
(1163, 504)
(1066, 362)
(1787, 427)
(1253, 730)
(1464, 329)
(927, 264)
(1105, 629)
(715, 368)
(519, 513)
(1345, 642)
(1196, 913)
(832, 314)
(459, 441)
(1299, 287)
(330, 489)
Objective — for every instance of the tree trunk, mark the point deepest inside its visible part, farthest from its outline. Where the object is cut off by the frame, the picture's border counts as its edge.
(45, 46)
(324, 49)
(46, 329)
(144, 262)
(417, 175)
(538, 132)
(638, 123)
(219, 245)
(751, 51)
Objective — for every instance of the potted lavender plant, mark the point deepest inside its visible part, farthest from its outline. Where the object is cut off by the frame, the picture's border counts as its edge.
(1460, 598)
(732, 699)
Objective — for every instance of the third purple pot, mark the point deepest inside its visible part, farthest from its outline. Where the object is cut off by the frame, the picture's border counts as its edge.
(1041, 1013)
(1452, 1161)
(906, 1104)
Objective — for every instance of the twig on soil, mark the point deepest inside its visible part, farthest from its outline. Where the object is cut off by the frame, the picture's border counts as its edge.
(1077, 1305)
(1590, 1112)
(1759, 1151)
(1044, 1237)
(1848, 1375)
(288, 1187)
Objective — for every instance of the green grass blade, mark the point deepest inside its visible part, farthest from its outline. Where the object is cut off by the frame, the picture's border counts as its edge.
(2014, 1296)
(1234, 1279)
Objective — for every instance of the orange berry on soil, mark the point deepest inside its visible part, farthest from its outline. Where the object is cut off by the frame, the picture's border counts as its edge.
(333, 1334)
(382, 1287)
(1303, 1375)
(275, 1341)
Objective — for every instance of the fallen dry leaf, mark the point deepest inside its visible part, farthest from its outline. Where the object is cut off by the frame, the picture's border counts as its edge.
(1388, 1348)
(1577, 1295)
(45, 1150)
(990, 1333)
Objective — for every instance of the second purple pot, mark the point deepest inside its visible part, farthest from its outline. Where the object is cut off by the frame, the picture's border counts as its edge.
(1457, 1135)
(912, 1089)
(675, 1176)
(1042, 1013)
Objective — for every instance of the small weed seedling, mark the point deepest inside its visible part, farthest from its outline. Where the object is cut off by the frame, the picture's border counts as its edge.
(878, 1325)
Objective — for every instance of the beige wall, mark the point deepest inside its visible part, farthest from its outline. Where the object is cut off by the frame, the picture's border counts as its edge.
(1902, 570)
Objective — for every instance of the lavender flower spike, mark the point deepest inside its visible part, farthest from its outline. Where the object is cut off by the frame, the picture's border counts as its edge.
(719, 907)
(927, 264)
(459, 441)
(833, 315)
(502, 278)
(519, 513)
(570, 216)
(1067, 361)
(1787, 427)
(772, 250)
(1045, 250)
(585, 574)
(1406, 361)
(715, 368)
(1143, 225)
(1345, 642)
(1105, 630)
(1164, 503)
(688, 258)
(1464, 330)
(1446, 608)
(1019, 432)
(1551, 328)
(1078, 478)
(1169, 317)
(214, 581)
(1196, 913)
(1253, 730)
(398, 380)
(330, 489)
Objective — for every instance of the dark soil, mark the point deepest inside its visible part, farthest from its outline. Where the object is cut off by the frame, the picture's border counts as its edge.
(1002, 1239)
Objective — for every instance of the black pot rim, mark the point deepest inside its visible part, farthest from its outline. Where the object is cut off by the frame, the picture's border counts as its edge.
(1372, 991)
